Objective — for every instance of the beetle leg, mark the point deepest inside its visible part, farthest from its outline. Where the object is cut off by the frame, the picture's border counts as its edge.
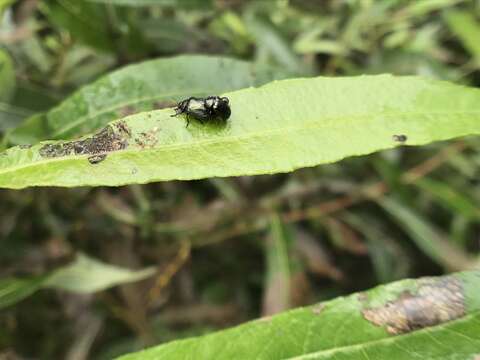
(178, 111)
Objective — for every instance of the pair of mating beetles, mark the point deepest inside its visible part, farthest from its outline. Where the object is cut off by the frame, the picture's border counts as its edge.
(204, 109)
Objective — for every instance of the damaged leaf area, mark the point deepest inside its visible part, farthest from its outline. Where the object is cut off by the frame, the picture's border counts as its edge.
(111, 138)
(435, 302)
(432, 318)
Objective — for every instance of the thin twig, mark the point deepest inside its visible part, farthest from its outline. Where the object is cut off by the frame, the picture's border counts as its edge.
(164, 277)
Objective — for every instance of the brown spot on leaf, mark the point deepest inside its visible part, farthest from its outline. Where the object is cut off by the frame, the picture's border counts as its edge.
(54, 150)
(436, 301)
(105, 141)
(317, 309)
(147, 139)
(123, 128)
(25, 146)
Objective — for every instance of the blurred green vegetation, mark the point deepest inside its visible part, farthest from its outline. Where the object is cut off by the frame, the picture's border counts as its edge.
(218, 243)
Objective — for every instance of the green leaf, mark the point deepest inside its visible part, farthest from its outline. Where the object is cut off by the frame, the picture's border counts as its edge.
(85, 21)
(26, 101)
(466, 27)
(279, 127)
(7, 77)
(141, 87)
(427, 238)
(451, 198)
(84, 275)
(429, 318)
(13, 290)
(174, 3)
(87, 275)
(270, 41)
(11, 115)
(422, 8)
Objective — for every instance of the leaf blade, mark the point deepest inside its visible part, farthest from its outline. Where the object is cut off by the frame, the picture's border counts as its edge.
(84, 275)
(87, 275)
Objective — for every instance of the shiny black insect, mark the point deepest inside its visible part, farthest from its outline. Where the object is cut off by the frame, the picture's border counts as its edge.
(204, 109)
(400, 138)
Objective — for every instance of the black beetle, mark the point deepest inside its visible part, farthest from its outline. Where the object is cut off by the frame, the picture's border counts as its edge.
(204, 109)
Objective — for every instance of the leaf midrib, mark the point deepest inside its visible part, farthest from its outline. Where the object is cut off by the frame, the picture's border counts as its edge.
(316, 124)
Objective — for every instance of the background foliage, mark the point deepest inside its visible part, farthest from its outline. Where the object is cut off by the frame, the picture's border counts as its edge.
(233, 249)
